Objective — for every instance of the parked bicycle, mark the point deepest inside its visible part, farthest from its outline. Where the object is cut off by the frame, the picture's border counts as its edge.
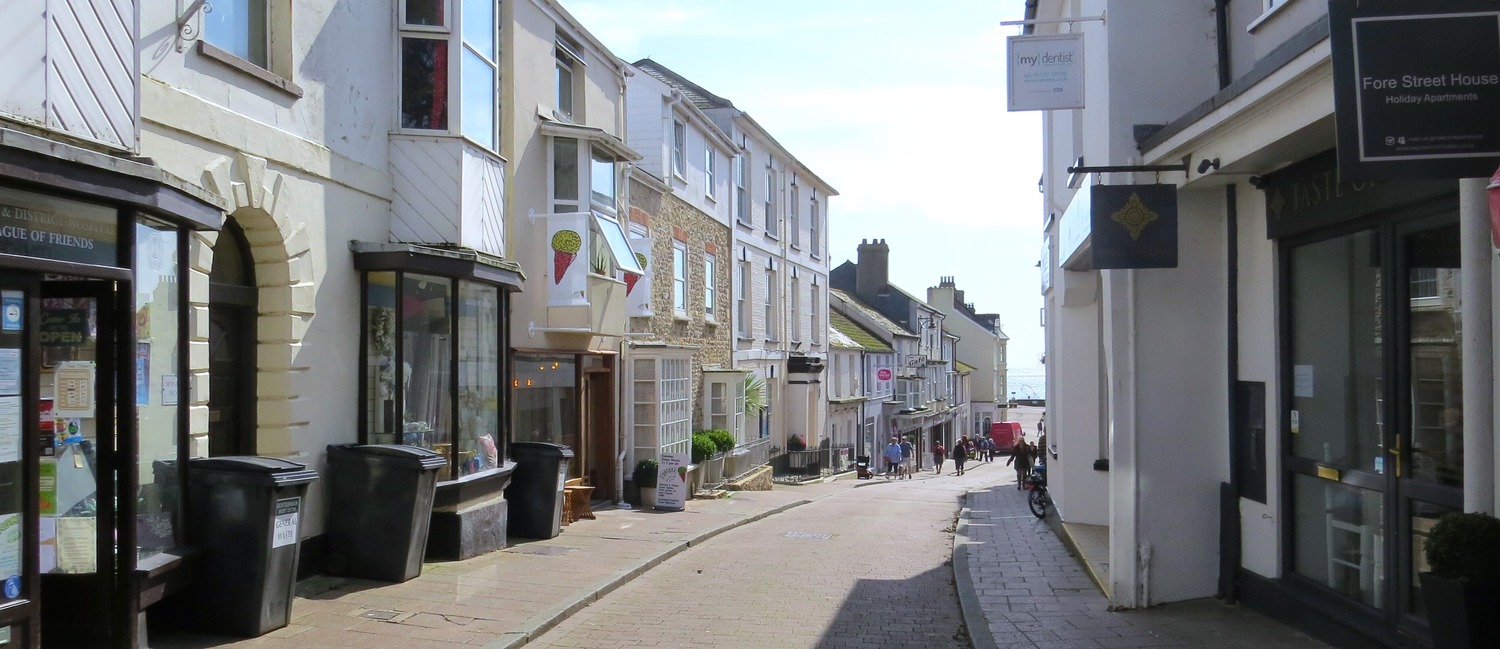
(1036, 484)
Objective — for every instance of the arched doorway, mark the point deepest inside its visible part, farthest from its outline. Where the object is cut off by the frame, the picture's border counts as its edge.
(231, 345)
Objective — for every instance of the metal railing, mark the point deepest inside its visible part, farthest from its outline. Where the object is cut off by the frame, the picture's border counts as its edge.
(815, 462)
(748, 456)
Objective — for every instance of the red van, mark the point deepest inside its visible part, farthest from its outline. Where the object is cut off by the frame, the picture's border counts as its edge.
(1005, 434)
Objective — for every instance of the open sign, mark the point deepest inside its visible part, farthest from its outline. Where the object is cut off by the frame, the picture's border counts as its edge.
(884, 374)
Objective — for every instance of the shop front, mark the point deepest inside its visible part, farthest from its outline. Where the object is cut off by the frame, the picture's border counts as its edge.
(433, 336)
(93, 394)
(568, 399)
(1372, 389)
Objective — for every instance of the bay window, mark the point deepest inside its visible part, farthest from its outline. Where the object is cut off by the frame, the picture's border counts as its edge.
(432, 367)
(429, 46)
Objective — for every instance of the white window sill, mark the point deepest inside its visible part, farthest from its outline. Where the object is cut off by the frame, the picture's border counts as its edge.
(1267, 16)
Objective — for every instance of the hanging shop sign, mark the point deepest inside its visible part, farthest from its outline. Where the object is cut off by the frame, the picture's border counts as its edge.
(1044, 72)
(1121, 226)
(1416, 88)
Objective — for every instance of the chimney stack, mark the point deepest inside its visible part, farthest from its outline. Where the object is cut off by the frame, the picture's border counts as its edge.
(872, 273)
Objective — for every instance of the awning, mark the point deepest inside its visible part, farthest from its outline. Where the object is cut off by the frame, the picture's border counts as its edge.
(610, 144)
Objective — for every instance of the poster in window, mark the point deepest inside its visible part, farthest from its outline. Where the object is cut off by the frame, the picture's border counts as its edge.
(10, 430)
(74, 396)
(12, 306)
(10, 371)
(169, 389)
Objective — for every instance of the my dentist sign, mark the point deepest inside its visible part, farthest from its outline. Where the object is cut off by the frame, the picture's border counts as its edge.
(1045, 72)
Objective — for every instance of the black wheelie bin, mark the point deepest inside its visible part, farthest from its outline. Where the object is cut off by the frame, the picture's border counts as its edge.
(380, 509)
(246, 513)
(536, 490)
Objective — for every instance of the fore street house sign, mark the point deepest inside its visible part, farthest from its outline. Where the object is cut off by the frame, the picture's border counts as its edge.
(1416, 88)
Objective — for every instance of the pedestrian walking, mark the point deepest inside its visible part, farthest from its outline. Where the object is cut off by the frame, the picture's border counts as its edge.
(960, 455)
(987, 447)
(1023, 457)
(892, 458)
(908, 457)
(939, 452)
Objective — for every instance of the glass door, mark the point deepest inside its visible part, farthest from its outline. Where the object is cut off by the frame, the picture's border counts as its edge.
(1427, 445)
(19, 588)
(77, 467)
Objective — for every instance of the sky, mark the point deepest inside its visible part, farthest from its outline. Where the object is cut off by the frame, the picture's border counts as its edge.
(899, 105)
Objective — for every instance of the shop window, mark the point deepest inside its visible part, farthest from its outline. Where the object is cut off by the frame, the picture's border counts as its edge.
(546, 389)
(158, 356)
(412, 322)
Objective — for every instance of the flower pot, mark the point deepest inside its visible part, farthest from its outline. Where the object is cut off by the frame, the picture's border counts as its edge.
(648, 497)
(1461, 614)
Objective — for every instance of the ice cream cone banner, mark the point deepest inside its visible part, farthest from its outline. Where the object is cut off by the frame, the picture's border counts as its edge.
(565, 245)
(682, 473)
(630, 280)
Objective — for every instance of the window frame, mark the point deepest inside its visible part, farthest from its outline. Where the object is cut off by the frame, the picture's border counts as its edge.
(265, 9)
(742, 187)
(795, 335)
(567, 58)
(710, 164)
(492, 61)
(679, 278)
(772, 226)
(793, 218)
(710, 291)
(742, 305)
(813, 240)
(679, 149)
(772, 331)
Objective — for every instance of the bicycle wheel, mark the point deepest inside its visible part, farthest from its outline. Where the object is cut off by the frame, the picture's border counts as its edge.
(1038, 502)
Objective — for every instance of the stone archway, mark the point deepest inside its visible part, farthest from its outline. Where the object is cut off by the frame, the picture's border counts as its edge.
(281, 253)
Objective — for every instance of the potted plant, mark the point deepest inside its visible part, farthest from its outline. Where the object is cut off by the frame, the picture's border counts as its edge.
(705, 462)
(644, 478)
(1463, 590)
(723, 443)
(795, 443)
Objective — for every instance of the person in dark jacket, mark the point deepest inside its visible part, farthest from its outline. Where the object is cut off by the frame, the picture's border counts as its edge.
(960, 455)
(1022, 456)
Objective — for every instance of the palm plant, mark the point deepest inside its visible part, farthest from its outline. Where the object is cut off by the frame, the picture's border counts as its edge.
(755, 395)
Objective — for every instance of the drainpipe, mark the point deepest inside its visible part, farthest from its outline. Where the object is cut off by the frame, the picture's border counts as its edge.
(1477, 344)
(1229, 502)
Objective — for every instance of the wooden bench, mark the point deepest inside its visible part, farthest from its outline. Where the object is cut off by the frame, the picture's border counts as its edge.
(576, 496)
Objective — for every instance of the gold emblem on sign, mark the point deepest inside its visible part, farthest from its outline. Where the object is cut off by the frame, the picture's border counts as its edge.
(1135, 216)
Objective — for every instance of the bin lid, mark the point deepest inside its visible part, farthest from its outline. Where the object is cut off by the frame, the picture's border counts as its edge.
(539, 449)
(402, 454)
(269, 470)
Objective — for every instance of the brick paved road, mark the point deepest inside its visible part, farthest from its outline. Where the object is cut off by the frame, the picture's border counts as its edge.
(1036, 595)
(868, 567)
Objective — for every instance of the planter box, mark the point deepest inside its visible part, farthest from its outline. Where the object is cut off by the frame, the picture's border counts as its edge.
(712, 470)
(1461, 615)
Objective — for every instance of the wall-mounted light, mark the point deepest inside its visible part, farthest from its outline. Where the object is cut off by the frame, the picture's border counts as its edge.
(1206, 164)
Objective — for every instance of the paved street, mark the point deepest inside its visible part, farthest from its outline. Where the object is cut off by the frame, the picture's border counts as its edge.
(866, 567)
(1035, 594)
(879, 563)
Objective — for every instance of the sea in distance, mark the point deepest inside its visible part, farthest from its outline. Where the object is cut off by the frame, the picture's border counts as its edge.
(1027, 382)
